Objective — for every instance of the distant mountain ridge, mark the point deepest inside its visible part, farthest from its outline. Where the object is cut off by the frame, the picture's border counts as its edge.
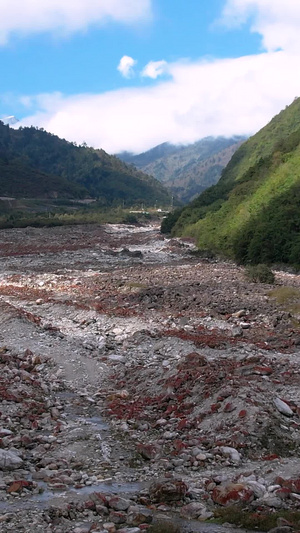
(145, 158)
(253, 213)
(34, 163)
(187, 170)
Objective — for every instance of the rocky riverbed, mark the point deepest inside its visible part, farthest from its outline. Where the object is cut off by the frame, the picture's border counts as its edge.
(139, 382)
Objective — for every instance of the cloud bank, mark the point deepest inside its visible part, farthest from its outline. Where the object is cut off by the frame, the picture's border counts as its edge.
(66, 16)
(277, 21)
(234, 96)
(201, 98)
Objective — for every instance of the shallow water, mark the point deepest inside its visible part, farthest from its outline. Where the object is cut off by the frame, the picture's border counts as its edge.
(47, 498)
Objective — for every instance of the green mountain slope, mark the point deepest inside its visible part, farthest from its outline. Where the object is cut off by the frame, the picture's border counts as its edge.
(20, 180)
(253, 213)
(187, 170)
(84, 170)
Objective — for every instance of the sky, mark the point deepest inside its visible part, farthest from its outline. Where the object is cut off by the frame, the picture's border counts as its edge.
(131, 74)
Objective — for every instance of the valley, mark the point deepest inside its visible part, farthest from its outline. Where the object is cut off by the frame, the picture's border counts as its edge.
(140, 383)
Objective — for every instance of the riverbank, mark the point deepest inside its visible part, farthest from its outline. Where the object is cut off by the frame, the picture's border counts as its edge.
(137, 379)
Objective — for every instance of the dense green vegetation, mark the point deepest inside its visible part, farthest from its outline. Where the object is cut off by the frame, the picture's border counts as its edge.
(45, 214)
(35, 163)
(17, 179)
(187, 170)
(253, 213)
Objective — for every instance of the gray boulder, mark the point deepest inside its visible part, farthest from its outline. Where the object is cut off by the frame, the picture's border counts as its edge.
(9, 460)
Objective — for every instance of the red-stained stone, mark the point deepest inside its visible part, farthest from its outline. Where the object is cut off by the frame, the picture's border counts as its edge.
(242, 413)
(147, 451)
(140, 515)
(232, 493)
(184, 423)
(283, 493)
(102, 497)
(179, 445)
(214, 408)
(292, 484)
(18, 486)
(229, 407)
(168, 490)
(117, 517)
(270, 457)
(263, 370)
(118, 504)
(90, 505)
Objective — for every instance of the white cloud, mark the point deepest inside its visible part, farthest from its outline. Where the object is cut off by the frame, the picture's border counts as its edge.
(224, 97)
(220, 97)
(126, 65)
(277, 21)
(66, 16)
(154, 69)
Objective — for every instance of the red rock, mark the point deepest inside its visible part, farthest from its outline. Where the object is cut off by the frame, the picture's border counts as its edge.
(90, 505)
(292, 484)
(118, 504)
(139, 515)
(118, 517)
(18, 486)
(184, 423)
(229, 407)
(270, 457)
(102, 497)
(147, 451)
(283, 493)
(214, 408)
(263, 370)
(179, 445)
(242, 413)
(232, 493)
(168, 490)
(144, 501)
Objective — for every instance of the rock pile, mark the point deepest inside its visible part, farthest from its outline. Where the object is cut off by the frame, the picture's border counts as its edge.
(131, 386)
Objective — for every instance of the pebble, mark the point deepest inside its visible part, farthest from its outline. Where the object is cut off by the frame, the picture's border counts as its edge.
(282, 407)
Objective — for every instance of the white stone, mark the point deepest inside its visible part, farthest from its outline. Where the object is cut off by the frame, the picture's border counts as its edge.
(283, 407)
(258, 489)
(232, 453)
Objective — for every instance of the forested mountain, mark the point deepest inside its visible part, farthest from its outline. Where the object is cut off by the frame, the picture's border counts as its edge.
(253, 213)
(187, 170)
(36, 163)
(19, 180)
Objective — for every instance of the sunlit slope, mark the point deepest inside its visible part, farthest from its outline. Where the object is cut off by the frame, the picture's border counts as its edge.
(253, 213)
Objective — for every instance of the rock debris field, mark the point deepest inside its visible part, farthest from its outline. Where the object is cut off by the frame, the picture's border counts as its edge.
(140, 383)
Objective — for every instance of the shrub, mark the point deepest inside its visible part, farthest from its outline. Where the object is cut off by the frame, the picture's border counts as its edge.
(130, 218)
(260, 274)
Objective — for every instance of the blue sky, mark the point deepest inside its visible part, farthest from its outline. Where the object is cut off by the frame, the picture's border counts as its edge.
(127, 75)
